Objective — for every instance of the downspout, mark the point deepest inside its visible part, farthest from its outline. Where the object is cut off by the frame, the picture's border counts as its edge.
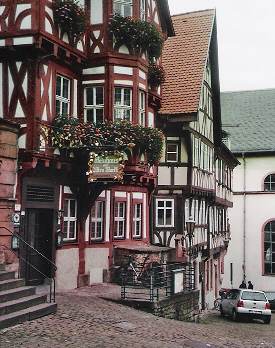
(244, 216)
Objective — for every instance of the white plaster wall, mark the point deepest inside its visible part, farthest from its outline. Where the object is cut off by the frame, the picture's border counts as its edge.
(259, 209)
(181, 176)
(96, 12)
(257, 168)
(164, 176)
(67, 269)
(96, 260)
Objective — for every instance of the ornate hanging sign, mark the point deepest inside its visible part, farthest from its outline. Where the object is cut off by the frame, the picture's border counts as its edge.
(105, 166)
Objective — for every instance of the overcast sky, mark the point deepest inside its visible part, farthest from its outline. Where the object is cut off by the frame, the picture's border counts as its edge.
(246, 39)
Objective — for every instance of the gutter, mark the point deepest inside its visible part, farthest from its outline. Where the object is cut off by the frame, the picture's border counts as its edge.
(244, 216)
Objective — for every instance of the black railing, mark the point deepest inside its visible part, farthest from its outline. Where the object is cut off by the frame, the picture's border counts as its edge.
(155, 281)
(50, 278)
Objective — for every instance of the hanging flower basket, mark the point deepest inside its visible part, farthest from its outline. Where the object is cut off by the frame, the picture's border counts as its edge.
(70, 17)
(139, 36)
(70, 134)
(156, 75)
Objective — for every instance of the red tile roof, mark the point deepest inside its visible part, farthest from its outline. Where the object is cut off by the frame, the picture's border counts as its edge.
(184, 60)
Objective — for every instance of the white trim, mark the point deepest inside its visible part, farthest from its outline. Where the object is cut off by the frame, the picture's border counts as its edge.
(123, 82)
(93, 82)
(164, 208)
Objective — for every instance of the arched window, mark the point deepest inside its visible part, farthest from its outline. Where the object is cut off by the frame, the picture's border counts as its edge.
(269, 183)
(269, 248)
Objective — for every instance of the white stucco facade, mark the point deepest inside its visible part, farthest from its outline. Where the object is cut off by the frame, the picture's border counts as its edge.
(253, 208)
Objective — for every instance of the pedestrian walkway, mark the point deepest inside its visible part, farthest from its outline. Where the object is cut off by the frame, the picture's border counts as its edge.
(88, 318)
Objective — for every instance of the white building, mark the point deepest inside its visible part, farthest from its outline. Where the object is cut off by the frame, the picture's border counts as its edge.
(249, 118)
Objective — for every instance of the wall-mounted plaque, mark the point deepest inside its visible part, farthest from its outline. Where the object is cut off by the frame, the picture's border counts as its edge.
(105, 167)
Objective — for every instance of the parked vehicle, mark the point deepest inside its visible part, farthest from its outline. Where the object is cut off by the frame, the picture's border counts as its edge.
(270, 295)
(251, 304)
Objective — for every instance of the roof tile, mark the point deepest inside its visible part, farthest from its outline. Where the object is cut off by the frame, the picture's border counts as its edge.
(184, 58)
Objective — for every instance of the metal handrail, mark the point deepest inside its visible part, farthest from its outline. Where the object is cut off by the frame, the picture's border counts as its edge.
(26, 243)
(50, 279)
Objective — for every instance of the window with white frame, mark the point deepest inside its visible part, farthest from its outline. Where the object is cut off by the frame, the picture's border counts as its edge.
(62, 96)
(97, 221)
(172, 151)
(123, 104)
(165, 213)
(93, 104)
(143, 10)
(123, 7)
(269, 248)
(69, 220)
(120, 219)
(137, 220)
(269, 183)
(141, 118)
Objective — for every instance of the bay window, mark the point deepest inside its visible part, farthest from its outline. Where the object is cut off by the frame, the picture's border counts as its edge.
(143, 10)
(141, 118)
(62, 96)
(137, 220)
(97, 221)
(123, 104)
(119, 219)
(93, 104)
(69, 220)
(123, 7)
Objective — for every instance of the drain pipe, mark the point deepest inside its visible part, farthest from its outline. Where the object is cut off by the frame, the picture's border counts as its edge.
(244, 216)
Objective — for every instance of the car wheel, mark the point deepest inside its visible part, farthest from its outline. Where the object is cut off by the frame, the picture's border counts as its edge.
(221, 311)
(235, 316)
(267, 319)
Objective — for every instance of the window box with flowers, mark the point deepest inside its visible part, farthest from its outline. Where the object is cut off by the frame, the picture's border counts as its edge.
(71, 19)
(138, 35)
(156, 75)
(135, 140)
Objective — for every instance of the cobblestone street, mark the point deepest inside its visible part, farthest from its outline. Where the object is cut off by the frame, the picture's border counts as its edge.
(85, 320)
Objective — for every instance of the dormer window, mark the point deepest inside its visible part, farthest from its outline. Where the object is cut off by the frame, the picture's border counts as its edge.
(269, 183)
(123, 7)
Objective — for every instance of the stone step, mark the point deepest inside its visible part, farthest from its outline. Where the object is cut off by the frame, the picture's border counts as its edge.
(21, 303)
(5, 275)
(11, 284)
(27, 314)
(2, 267)
(13, 294)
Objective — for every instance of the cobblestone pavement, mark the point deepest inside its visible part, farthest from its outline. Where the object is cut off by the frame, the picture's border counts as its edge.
(84, 320)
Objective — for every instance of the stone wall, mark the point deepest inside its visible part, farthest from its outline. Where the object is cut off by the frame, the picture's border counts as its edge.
(8, 166)
(183, 306)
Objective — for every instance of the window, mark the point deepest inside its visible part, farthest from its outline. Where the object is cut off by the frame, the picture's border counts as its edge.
(97, 221)
(123, 7)
(165, 212)
(269, 183)
(120, 219)
(137, 220)
(69, 222)
(172, 152)
(269, 248)
(123, 104)
(62, 99)
(141, 118)
(94, 104)
(143, 10)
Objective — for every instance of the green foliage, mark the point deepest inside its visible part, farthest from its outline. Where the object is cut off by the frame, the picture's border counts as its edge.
(69, 133)
(139, 36)
(71, 17)
(156, 75)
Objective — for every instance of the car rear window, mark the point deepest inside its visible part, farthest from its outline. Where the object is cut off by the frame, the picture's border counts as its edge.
(270, 296)
(253, 296)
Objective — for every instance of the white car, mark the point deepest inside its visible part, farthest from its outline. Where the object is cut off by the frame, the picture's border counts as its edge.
(246, 303)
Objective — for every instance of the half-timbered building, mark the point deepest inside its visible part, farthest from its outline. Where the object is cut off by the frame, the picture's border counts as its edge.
(46, 71)
(194, 174)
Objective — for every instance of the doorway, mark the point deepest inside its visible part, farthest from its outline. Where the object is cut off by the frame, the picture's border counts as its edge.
(39, 227)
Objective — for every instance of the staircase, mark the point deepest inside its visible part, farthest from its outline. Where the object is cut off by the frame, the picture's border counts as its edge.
(19, 303)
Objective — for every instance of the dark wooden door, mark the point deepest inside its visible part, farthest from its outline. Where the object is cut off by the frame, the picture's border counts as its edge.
(39, 234)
